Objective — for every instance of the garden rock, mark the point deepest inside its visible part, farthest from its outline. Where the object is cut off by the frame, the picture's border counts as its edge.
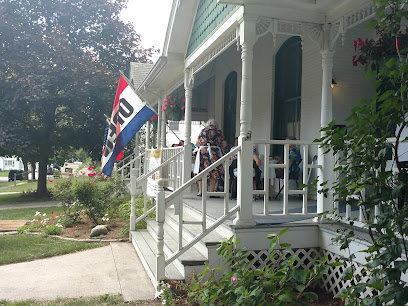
(99, 230)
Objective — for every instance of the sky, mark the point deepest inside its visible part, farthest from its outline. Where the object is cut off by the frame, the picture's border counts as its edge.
(150, 18)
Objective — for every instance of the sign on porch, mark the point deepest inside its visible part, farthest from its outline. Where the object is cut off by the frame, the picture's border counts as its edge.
(154, 162)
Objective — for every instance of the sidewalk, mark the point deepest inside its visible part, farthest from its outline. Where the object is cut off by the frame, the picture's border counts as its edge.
(113, 269)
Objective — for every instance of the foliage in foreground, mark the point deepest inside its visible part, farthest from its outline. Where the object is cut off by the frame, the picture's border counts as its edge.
(124, 213)
(280, 282)
(24, 247)
(364, 157)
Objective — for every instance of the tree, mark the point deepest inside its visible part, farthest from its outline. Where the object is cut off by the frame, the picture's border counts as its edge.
(59, 65)
(364, 151)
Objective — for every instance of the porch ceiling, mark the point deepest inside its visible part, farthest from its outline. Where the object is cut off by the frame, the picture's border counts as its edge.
(330, 10)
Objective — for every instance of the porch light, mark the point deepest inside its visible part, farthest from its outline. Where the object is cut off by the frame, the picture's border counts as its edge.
(333, 83)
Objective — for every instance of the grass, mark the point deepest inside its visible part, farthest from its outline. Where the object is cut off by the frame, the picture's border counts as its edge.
(21, 186)
(18, 198)
(20, 248)
(103, 300)
(28, 213)
(4, 173)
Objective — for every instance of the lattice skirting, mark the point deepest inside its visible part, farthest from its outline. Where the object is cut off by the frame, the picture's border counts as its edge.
(331, 281)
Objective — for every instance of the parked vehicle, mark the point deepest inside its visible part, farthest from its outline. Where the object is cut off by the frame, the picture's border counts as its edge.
(18, 173)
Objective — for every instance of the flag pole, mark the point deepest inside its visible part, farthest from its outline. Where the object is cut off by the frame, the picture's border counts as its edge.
(148, 104)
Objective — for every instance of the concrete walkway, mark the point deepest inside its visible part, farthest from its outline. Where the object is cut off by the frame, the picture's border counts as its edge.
(113, 269)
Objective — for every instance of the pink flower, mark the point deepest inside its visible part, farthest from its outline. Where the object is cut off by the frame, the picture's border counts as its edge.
(90, 183)
(89, 168)
(56, 186)
(183, 107)
(163, 108)
(233, 279)
(92, 167)
(51, 181)
(52, 213)
(69, 174)
(360, 42)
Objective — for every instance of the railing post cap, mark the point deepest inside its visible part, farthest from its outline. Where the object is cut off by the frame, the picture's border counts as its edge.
(161, 182)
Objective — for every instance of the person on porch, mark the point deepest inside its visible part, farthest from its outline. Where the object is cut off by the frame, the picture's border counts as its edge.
(294, 160)
(209, 143)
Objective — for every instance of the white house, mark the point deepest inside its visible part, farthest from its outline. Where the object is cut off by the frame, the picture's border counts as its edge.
(11, 163)
(264, 70)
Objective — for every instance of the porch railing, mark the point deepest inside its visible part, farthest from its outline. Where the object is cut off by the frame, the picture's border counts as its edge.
(309, 162)
(352, 212)
(176, 197)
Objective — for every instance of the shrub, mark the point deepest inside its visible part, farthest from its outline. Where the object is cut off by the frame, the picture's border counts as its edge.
(124, 213)
(280, 282)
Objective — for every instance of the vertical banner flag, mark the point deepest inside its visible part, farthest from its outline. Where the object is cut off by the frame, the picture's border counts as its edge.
(129, 114)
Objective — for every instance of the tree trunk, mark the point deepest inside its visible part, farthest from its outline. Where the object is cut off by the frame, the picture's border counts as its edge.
(33, 170)
(42, 172)
(25, 177)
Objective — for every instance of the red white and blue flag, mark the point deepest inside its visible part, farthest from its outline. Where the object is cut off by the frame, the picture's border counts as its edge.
(129, 114)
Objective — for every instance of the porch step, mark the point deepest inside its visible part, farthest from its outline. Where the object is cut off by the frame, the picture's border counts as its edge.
(224, 230)
(190, 260)
(192, 230)
(146, 248)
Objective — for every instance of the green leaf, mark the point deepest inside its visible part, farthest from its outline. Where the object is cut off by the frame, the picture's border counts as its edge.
(299, 275)
(300, 288)
(335, 264)
(282, 232)
(284, 298)
(371, 24)
(311, 296)
(391, 62)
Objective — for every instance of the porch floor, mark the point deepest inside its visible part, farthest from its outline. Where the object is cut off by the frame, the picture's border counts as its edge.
(215, 208)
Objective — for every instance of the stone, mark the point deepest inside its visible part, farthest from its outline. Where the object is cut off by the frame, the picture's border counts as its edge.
(99, 230)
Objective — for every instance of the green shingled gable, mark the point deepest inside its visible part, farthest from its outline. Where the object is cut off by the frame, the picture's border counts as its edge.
(209, 16)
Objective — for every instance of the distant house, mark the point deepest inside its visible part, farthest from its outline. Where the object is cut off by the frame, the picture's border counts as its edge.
(11, 163)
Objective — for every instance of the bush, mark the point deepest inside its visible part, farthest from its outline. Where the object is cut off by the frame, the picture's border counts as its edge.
(280, 282)
(96, 197)
(124, 213)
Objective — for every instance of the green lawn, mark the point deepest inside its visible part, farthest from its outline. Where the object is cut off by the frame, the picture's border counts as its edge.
(20, 186)
(28, 213)
(4, 173)
(18, 198)
(19, 248)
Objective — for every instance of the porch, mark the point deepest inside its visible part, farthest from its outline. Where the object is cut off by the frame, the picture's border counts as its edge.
(188, 229)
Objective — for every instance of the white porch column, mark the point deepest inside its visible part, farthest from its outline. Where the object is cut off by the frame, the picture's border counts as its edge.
(136, 151)
(163, 129)
(326, 116)
(188, 92)
(159, 122)
(247, 36)
(148, 135)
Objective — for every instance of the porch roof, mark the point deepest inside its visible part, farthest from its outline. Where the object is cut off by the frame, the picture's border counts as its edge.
(168, 72)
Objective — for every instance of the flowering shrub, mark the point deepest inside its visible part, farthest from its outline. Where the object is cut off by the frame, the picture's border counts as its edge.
(366, 180)
(95, 197)
(46, 226)
(174, 108)
(374, 51)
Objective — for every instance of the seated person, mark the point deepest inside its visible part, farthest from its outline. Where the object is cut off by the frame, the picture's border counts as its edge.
(233, 169)
(294, 160)
(257, 171)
